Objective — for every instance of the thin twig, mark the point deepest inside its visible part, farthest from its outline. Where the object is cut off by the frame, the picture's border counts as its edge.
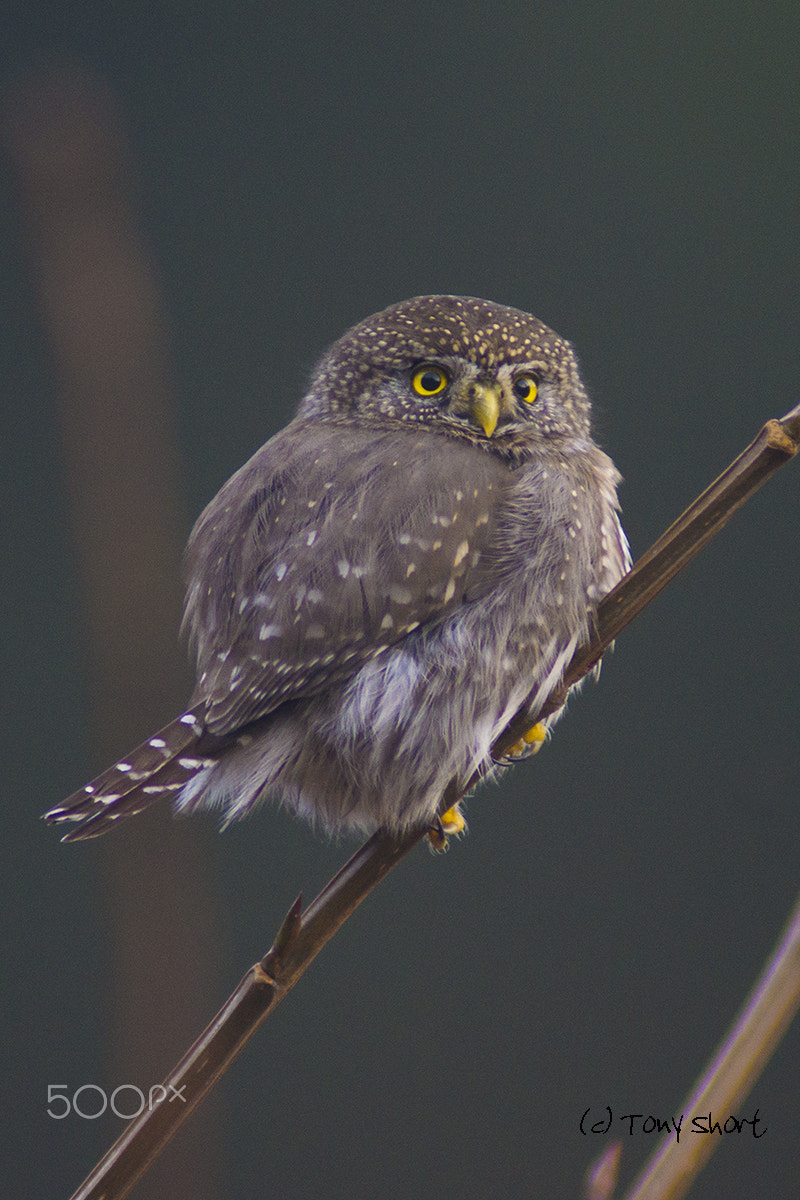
(303, 934)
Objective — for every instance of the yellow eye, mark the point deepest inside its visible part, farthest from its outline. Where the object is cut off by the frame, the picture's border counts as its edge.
(429, 381)
(526, 387)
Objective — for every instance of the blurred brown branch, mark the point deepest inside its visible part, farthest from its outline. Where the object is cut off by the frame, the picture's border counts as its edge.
(304, 933)
(103, 317)
(766, 1015)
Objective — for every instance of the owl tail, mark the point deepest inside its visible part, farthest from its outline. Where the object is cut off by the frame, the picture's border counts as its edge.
(161, 766)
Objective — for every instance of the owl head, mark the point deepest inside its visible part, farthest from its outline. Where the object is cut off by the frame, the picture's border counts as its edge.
(461, 366)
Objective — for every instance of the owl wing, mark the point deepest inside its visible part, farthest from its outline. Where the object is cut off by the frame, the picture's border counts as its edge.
(330, 545)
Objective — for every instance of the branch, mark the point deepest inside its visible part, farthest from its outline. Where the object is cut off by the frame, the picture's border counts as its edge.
(303, 934)
(765, 1017)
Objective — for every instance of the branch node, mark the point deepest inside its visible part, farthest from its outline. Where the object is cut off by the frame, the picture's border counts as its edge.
(260, 976)
(778, 438)
(790, 423)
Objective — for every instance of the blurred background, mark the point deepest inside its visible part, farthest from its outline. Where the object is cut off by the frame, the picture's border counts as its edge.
(195, 202)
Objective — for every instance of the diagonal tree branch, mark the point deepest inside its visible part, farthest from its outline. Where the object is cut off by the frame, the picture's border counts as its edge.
(304, 933)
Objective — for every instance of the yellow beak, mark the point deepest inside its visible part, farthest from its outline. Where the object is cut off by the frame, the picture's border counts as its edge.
(485, 407)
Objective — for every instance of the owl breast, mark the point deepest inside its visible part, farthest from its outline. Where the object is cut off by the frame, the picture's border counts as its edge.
(476, 594)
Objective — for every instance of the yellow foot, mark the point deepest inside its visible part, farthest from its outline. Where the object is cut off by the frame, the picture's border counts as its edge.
(530, 742)
(449, 824)
(452, 821)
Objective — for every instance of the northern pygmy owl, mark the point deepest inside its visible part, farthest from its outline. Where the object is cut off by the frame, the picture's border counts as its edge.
(389, 580)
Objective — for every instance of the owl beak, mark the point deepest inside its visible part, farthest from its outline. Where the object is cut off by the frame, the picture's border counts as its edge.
(485, 406)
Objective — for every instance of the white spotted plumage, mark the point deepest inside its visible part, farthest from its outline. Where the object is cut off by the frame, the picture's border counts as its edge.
(386, 582)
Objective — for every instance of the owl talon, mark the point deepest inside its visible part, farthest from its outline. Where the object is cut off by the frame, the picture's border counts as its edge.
(530, 743)
(449, 824)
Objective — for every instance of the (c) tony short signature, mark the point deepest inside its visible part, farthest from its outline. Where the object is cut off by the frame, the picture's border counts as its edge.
(647, 1123)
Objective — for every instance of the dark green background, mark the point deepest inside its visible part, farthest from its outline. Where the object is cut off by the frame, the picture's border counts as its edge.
(630, 174)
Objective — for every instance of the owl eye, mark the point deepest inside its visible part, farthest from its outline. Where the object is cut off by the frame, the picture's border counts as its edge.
(429, 381)
(526, 387)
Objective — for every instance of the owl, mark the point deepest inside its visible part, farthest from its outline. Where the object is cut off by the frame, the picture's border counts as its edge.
(388, 581)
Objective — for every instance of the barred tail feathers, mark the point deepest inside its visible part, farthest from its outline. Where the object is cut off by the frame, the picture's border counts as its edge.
(161, 766)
